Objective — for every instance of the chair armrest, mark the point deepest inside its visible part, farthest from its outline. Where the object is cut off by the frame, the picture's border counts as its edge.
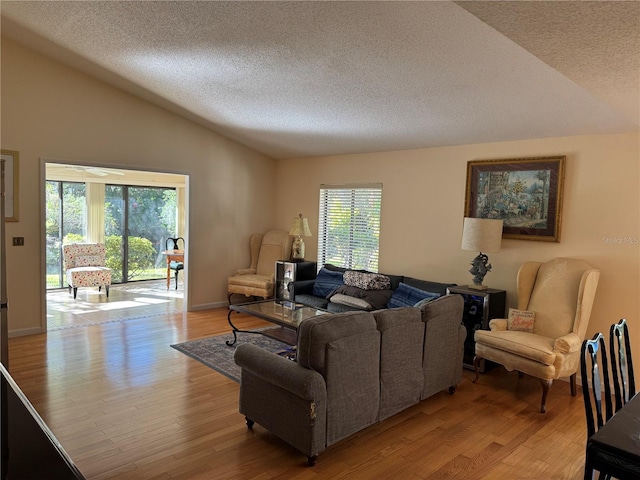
(568, 344)
(292, 377)
(245, 271)
(302, 287)
(498, 324)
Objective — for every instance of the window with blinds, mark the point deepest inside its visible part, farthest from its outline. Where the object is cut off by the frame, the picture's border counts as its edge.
(349, 226)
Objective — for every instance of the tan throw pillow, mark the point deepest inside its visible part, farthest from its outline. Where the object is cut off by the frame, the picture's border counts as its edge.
(351, 301)
(520, 320)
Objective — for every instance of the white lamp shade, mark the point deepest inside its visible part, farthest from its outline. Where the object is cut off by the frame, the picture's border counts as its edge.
(482, 235)
(300, 227)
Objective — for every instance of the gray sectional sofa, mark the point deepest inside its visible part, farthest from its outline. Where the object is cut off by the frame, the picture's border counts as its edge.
(353, 369)
(329, 291)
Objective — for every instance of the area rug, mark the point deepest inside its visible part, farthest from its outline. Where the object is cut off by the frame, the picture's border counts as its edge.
(215, 353)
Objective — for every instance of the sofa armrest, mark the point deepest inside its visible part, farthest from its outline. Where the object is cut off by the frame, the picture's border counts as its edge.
(568, 343)
(498, 324)
(302, 382)
(245, 271)
(302, 287)
(284, 397)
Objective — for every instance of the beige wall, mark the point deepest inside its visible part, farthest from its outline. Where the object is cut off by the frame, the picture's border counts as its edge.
(423, 205)
(52, 111)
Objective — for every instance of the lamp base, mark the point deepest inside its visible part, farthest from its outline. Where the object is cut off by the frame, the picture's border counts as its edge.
(477, 287)
(297, 250)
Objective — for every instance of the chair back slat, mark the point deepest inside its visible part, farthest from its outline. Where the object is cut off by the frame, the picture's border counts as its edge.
(594, 356)
(174, 243)
(621, 364)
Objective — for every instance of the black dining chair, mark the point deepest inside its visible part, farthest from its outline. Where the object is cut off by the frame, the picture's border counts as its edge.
(174, 244)
(593, 375)
(624, 385)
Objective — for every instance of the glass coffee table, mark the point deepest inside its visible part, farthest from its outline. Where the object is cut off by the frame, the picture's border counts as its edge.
(284, 313)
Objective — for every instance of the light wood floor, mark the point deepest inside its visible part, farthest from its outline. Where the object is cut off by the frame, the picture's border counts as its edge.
(126, 405)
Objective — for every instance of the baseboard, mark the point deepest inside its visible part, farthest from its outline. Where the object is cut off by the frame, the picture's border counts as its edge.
(24, 331)
(209, 306)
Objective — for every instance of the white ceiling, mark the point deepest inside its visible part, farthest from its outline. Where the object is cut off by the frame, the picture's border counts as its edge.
(297, 79)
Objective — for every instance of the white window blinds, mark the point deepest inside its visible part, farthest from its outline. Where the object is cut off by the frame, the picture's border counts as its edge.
(349, 226)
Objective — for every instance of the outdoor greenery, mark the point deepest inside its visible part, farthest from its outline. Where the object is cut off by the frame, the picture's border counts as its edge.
(349, 230)
(141, 256)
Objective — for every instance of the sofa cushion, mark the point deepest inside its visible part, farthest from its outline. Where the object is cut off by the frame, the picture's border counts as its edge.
(426, 300)
(407, 296)
(334, 268)
(378, 299)
(316, 332)
(353, 384)
(427, 286)
(326, 282)
(312, 300)
(340, 308)
(90, 261)
(395, 279)
(252, 281)
(524, 344)
(367, 281)
(358, 303)
(401, 346)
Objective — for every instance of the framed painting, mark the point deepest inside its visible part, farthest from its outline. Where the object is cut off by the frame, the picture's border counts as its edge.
(526, 193)
(10, 158)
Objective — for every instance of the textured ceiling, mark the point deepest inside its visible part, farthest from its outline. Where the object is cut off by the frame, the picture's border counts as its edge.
(296, 79)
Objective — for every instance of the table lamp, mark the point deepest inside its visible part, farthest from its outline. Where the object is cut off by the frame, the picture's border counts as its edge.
(299, 229)
(482, 235)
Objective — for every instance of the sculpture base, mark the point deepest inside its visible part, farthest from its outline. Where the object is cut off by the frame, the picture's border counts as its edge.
(477, 287)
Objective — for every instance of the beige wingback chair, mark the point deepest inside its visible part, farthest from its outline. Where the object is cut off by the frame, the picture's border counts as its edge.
(560, 293)
(259, 279)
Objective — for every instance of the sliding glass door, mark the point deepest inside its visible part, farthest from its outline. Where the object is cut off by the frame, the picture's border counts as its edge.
(134, 223)
(66, 222)
(138, 221)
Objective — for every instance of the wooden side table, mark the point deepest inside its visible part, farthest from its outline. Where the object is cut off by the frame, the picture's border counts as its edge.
(172, 256)
(480, 306)
(288, 272)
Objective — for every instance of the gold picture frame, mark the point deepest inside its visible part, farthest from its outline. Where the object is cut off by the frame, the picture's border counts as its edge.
(11, 163)
(526, 193)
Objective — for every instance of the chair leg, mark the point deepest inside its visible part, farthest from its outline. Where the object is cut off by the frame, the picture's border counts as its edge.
(75, 292)
(476, 364)
(177, 279)
(106, 289)
(546, 385)
(572, 381)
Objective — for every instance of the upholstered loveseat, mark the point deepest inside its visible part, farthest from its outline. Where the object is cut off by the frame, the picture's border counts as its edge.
(353, 369)
(340, 290)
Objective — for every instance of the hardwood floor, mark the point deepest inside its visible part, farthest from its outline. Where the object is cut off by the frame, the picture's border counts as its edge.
(126, 405)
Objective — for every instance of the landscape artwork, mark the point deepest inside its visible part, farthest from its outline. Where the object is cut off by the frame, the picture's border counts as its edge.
(525, 193)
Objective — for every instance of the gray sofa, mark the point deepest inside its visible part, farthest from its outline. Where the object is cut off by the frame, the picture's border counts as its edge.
(353, 369)
(307, 291)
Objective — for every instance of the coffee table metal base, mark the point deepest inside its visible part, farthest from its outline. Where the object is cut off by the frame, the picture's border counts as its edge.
(284, 334)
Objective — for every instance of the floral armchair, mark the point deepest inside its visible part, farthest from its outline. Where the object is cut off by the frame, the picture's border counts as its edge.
(84, 264)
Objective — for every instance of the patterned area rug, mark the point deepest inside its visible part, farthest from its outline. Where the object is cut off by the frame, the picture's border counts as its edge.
(215, 353)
